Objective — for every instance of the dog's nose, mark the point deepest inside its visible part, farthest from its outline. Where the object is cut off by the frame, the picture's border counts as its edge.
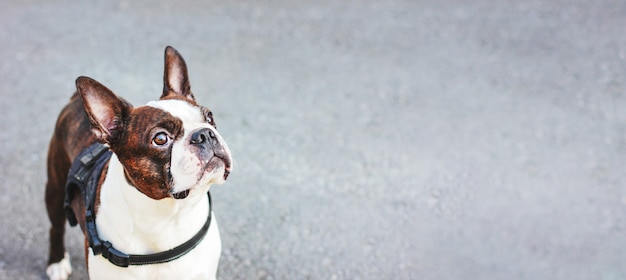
(203, 136)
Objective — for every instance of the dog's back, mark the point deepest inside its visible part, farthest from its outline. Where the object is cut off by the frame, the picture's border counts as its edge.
(76, 134)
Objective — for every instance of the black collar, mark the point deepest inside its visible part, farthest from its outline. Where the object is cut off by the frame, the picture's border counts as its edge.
(122, 259)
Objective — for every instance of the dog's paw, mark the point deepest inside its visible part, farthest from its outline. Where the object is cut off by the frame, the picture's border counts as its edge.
(60, 270)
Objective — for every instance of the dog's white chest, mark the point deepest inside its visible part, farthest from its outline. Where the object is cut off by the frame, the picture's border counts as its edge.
(199, 263)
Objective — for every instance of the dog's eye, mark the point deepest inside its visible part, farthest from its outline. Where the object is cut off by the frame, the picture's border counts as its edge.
(208, 116)
(160, 139)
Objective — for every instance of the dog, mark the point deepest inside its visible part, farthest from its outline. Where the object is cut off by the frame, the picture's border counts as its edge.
(148, 215)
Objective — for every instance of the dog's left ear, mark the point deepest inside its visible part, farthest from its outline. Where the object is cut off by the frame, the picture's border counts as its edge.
(175, 78)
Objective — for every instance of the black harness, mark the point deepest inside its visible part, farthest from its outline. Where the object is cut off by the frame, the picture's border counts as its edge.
(84, 176)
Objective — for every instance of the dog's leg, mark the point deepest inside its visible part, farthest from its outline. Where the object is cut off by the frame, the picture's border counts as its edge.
(58, 166)
(60, 270)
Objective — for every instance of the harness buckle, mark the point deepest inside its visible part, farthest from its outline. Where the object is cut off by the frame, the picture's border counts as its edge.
(114, 256)
(93, 155)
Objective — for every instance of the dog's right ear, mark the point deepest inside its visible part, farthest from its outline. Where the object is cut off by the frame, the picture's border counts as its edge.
(175, 77)
(105, 110)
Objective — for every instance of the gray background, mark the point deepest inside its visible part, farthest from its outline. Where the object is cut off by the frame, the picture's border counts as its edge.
(372, 139)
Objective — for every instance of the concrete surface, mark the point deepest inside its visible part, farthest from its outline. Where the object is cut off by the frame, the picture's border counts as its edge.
(373, 139)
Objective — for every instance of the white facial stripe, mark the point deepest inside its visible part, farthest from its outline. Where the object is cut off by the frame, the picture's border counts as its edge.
(189, 114)
(186, 168)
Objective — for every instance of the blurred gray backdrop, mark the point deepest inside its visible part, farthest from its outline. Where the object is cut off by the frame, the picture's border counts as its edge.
(372, 139)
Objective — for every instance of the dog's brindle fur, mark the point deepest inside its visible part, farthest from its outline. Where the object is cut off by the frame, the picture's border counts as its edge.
(63, 149)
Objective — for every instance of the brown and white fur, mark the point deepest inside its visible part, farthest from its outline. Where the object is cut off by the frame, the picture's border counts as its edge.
(152, 193)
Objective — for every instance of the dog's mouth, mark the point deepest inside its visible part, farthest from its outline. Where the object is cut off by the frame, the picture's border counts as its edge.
(226, 167)
(181, 195)
(226, 161)
(218, 161)
(226, 173)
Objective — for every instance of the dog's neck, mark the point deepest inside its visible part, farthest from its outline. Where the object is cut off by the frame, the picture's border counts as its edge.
(137, 224)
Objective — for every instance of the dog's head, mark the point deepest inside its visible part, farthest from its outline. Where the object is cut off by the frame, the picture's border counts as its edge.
(169, 147)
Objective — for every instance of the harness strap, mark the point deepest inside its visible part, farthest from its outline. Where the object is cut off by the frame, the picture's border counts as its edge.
(84, 175)
(122, 259)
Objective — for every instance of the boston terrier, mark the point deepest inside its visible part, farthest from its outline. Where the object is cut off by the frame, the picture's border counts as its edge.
(147, 214)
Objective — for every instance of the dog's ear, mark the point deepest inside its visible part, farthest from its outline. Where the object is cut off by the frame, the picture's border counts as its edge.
(175, 78)
(105, 110)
